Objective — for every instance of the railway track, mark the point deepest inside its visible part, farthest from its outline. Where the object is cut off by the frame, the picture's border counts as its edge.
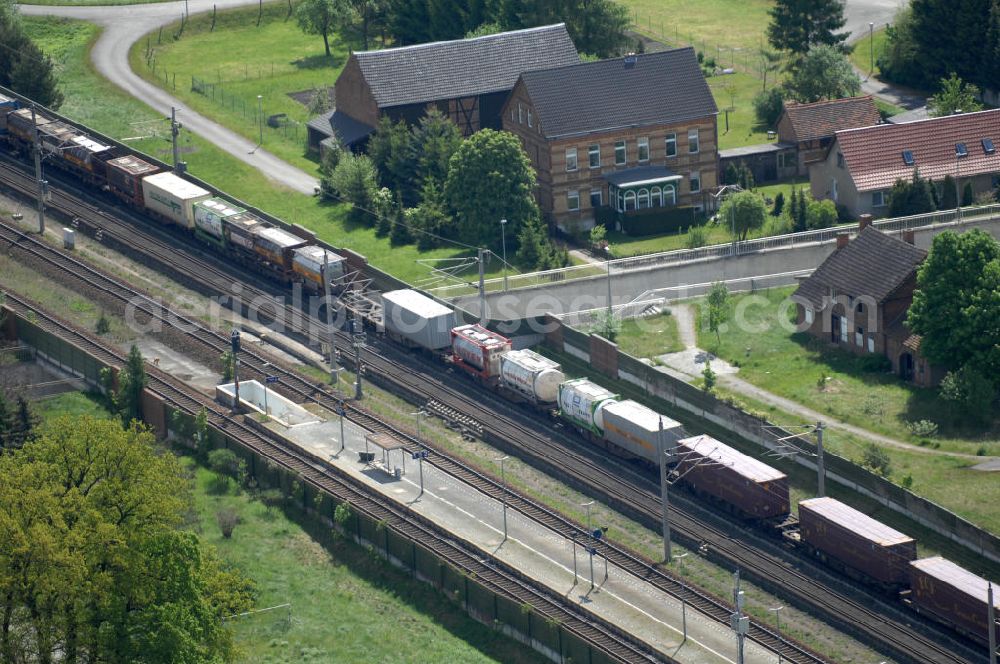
(499, 577)
(899, 639)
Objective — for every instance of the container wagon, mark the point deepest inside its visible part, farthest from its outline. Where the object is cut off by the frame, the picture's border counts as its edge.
(636, 430)
(742, 484)
(125, 176)
(531, 376)
(478, 351)
(417, 320)
(855, 543)
(307, 264)
(209, 215)
(7, 105)
(172, 198)
(582, 402)
(953, 595)
(275, 247)
(239, 230)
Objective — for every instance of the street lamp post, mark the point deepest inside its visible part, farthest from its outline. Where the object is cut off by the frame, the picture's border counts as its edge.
(503, 480)
(260, 117)
(871, 48)
(777, 622)
(684, 615)
(503, 240)
(341, 413)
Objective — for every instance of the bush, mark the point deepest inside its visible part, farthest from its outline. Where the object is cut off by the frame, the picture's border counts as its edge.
(697, 236)
(969, 392)
(709, 377)
(103, 326)
(875, 458)
(821, 214)
(227, 519)
(873, 363)
(779, 204)
(922, 428)
(767, 106)
(778, 225)
(656, 221)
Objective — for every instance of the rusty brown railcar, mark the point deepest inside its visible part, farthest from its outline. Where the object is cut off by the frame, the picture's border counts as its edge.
(953, 595)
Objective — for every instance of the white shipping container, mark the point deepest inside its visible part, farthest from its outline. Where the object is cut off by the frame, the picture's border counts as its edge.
(172, 197)
(636, 428)
(310, 260)
(208, 215)
(414, 316)
(531, 374)
(479, 347)
(581, 401)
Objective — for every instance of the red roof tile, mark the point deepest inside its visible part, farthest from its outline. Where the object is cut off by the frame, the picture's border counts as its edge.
(824, 118)
(874, 155)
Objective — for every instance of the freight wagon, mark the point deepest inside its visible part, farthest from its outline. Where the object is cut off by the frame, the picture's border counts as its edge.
(477, 351)
(416, 320)
(125, 176)
(953, 595)
(308, 265)
(855, 543)
(581, 403)
(275, 247)
(209, 215)
(744, 485)
(172, 198)
(529, 375)
(639, 431)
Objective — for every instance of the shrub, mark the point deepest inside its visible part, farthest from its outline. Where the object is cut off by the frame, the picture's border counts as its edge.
(227, 519)
(873, 363)
(907, 482)
(102, 326)
(697, 236)
(709, 377)
(922, 428)
(821, 214)
(767, 106)
(873, 406)
(779, 204)
(875, 458)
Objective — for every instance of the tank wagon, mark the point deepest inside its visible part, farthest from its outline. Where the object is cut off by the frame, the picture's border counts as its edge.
(528, 375)
(478, 351)
(582, 402)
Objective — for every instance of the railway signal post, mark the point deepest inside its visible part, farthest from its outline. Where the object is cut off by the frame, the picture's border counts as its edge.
(777, 626)
(234, 341)
(341, 413)
(820, 469)
(334, 369)
(503, 480)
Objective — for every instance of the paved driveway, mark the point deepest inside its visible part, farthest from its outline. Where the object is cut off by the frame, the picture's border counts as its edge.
(859, 13)
(123, 26)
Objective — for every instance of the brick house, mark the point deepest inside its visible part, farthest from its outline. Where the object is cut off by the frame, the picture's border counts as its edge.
(468, 80)
(811, 127)
(626, 134)
(858, 298)
(861, 165)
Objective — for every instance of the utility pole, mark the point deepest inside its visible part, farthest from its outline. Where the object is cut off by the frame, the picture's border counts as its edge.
(341, 412)
(777, 622)
(503, 480)
(334, 369)
(740, 623)
(664, 495)
(991, 623)
(611, 313)
(234, 340)
(482, 286)
(358, 339)
(503, 242)
(42, 184)
(175, 130)
(820, 469)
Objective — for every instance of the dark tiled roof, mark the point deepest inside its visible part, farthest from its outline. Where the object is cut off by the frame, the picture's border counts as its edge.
(873, 264)
(463, 67)
(344, 127)
(755, 150)
(822, 119)
(659, 88)
(874, 155)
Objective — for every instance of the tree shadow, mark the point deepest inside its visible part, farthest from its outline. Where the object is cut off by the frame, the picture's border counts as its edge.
(318, 61)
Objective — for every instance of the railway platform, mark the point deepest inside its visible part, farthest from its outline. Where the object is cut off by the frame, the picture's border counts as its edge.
(564, 567)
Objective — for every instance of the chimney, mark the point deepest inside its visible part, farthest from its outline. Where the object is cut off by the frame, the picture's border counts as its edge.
(908, 237)
(630, 60)
(843, 239)
(864, 221)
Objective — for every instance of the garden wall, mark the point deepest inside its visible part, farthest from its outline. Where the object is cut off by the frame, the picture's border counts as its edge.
(750, 428)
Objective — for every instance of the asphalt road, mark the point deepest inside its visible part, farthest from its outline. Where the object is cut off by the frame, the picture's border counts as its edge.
(123, 26)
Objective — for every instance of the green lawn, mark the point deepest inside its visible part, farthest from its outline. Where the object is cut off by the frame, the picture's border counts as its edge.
(861, 56)
(72, 404)
(649, 337)
(84, 3)
(709, 25)
(348, 605)
(790, 365)
(736, 92)
(92, 100)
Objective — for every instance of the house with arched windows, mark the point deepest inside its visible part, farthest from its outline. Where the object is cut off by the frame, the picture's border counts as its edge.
(624, 138)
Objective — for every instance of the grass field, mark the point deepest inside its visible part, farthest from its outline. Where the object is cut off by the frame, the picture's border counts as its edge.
(96, 102)
(86, 3)
(713, 26)
(736, 92)
(861, 55)
(648, 337)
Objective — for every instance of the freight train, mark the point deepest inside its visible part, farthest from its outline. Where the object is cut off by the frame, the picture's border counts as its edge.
(231, 230)
(833, 532)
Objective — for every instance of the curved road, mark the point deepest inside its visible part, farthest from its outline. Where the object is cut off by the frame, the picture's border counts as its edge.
(123, 26)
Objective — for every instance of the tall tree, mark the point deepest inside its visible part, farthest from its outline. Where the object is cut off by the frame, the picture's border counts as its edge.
(93, 566)
(323, 17)
(949, 193)
(132, 380)
(391, 149)
(910, 197)
(718, 309)
(954, 96)
(409, 21)
(799, 25)
(823, 73)
(956, 304)
(355, 182)
(435, 140)
(369, 15)
(489, 179)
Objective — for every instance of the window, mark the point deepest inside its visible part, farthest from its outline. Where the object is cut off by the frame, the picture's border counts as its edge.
(669, 195)
(840, 160)
(572, 200)
(642, 200)
(692, 141)
(511, 113)
(961, 150)
(908, 158)
(520, 114)
(570, 159)
(809, 315)
(859, 337)
(878, 199)
(643, 149)
(871, 344)
(594, 152)
(843, 329)
(787, 160)
(620, 153)
(596, 198)
(988, 146)
(671, 145)
(655, 197)
(695, 182)
(530, 122)
(629, 200)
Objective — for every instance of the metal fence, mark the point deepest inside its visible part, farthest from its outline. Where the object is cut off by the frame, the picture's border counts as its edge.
(662, 259)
